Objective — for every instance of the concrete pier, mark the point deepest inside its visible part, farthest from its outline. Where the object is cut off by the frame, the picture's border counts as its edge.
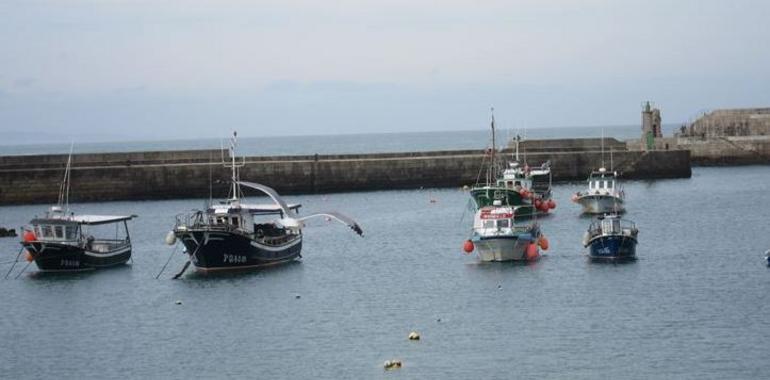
(196, 174)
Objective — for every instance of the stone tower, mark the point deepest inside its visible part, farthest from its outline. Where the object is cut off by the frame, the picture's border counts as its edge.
(650, 126)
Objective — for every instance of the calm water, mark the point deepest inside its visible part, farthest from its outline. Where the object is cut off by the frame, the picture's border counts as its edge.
(694, 305)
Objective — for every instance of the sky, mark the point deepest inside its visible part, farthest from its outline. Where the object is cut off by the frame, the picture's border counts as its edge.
(105, 70)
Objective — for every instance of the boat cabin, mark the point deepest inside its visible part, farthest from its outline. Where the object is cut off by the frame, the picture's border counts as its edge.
(514, 177)
(496, 218)
(248, 218)
(612, 225)
(99, 233)
(602, 181)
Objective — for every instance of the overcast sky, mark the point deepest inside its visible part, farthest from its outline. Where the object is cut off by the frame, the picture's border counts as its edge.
(115, 69)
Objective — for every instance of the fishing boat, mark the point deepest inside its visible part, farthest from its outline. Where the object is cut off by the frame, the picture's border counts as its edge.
(603, 195)
(233, 234)
(60, 240)
(610, 237)
(511, 186)
(498, 236)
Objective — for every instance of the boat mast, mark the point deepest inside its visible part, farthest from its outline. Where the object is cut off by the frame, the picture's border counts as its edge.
(492, 171)
(234, 166)
(64, 190)
(602, 147)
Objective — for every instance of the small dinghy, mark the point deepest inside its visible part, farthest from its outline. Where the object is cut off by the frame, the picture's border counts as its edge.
(612, 238)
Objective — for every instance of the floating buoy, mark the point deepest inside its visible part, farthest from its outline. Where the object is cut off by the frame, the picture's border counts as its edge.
(532, 253)
(178, 302)
(551, 204)
(29, 236)
(468, 246)
(574, 198)
(414, 336)
(297, 297)
(432, 200)
(543, 243)
(392, 364)
(28, 256)
(170, 238)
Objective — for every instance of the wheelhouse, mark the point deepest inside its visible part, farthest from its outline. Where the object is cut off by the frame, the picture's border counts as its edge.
(228, 216)
(514, 177)
(602, 181)
(96, 233)
(612, 225)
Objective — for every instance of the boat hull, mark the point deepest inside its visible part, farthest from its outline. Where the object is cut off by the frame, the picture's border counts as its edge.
(601, 204)
(485, 196)
(502, 248)
(223, 250)
(57, 257)
(614, 247)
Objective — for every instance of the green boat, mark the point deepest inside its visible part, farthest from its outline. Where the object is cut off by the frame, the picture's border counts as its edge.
(527, 189)
(509, 186)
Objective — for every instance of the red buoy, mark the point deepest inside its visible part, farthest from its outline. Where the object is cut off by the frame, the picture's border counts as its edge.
(538, 204)
(551, 204)
(524, 193)
(29, 236)
(468, 246)
(532, 253)
(543, 243)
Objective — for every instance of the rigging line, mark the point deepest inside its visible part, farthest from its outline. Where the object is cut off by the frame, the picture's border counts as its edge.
(167, 261)
(23, 270)
(14, 262)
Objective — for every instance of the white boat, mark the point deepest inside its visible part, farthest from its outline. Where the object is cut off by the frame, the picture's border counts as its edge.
(497, 237)
(604, 194)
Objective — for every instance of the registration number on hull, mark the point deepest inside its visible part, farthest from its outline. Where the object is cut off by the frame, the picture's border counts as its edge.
(70, 263)
(233, 259)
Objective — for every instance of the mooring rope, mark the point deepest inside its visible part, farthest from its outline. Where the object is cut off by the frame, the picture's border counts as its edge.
(167, 261)
(187, 264)
(23, 270)
(14, 262)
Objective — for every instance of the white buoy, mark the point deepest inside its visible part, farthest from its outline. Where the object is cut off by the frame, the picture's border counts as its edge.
(392, 364)
(414, 336)
(178, 302)
(170, 238)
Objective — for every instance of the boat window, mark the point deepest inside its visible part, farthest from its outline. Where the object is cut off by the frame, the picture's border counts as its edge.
(221, 220)
(47, 231)
(70, 232)
(59, 232)
(503, 223)
(489, 224)
(37, 231)
(234, 222)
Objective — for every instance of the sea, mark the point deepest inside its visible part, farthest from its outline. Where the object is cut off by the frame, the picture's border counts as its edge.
(693, 306)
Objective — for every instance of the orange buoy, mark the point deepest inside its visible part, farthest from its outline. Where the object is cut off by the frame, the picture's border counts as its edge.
(28, 256)
(532, 253)
(29, 236)
(468, 246)
(551, 204)
(543, 243)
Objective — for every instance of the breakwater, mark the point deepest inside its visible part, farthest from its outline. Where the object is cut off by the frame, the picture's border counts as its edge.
(199, 173)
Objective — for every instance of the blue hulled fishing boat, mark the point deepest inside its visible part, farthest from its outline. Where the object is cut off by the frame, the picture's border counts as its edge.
(611, 237)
